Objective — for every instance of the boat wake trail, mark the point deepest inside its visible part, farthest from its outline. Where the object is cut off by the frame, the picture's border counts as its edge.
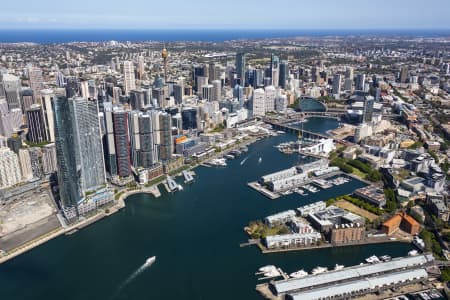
(244, 160)
(132, 277)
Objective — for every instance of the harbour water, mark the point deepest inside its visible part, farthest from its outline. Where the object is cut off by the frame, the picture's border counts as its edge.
(195, 235)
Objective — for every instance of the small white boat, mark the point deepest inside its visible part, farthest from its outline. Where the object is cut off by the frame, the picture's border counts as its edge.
(259, 160)
(150, 261)
(299, 274)
(273, 273)
(373, 259)
(338, 267)
(385, 258)
(413, 253)
(318, 270)
(267, 268)
(180, 187)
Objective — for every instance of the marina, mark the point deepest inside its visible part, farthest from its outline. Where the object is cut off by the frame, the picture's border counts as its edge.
(161, 226)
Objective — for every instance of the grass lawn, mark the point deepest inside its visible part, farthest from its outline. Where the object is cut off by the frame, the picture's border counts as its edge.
(355, 209)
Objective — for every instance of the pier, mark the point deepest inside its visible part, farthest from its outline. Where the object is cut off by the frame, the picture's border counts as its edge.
(188, 178)
(274, 195)
(171, 184)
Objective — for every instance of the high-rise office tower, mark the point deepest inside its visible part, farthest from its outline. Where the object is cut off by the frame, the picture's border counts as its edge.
(47, 97)
(36, 126)
(165, 57)
(240, 68)
(109, 145)
(337, 84)
(178, 92)
(190, 118)
(36, 82)
(275, 70)
(25, 164)
(49, 164)
(238, 93)
(9, 168)
(348, 83)
(360, 82)
(11, 85)
(201, 82)
(271, 93)
(137, 99)
(73, 88)
(212, 72)
(315, 75)
(148, 154)
(196, 72)
(128, 77)
(78, 149)
(135, 141)
(60, 80)
(281, 103)
(207, 92)
(349, 73)
(16, 118)
(158, 96)
(368, 109)
(217, 90)
(259, 102)
(27, 99)
(165, 136)
(284, 74)
(122, 143)
(404, 74)
(141, 67)
(35, 159)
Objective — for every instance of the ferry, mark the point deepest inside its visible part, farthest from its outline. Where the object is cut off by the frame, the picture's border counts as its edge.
(299, 274)
(150, 261)
(218, 162)
(319, 270)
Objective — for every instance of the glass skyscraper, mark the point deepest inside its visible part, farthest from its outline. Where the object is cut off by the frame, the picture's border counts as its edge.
(78, 148)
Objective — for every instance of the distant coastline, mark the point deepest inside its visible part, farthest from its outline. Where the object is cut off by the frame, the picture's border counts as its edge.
(50, 36)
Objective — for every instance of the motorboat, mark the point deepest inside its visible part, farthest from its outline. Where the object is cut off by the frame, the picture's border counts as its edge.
(373, 259)
(318, 270)
(150, 261)
(259, 160)
(267, 268)
(385, 258)
(299, 274)
(272, 273)
(413, 253)
(338, 267)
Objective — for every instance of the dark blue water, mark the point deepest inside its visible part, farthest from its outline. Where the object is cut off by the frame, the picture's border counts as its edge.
(46, 36)
(195, 235)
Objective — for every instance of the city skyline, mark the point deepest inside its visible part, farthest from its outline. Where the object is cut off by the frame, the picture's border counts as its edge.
(138, 14)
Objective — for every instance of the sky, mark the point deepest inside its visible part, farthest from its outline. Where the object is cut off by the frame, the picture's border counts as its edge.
(226, 14)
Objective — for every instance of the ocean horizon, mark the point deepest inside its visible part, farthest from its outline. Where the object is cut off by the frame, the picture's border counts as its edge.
(51, 36)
